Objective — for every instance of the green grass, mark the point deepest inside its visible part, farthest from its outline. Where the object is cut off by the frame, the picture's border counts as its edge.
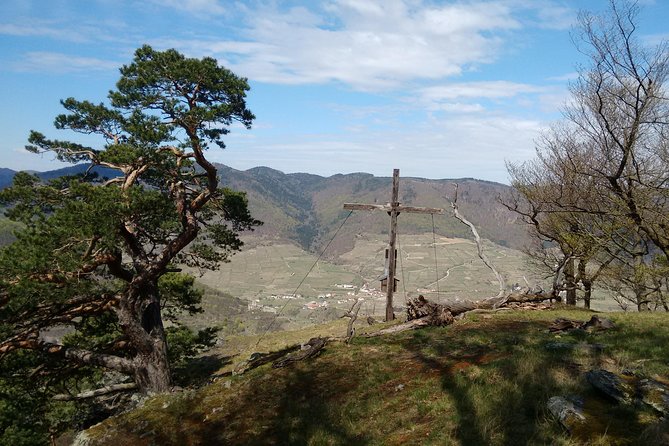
(484, 380)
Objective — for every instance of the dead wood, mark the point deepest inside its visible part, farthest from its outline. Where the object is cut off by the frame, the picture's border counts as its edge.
(308, 350)
(422, 312)
(353, 315)
(435, 314)
(595, 323)
(410, 325)
(124, 387)
(528, 297)
(479, 244)
(258, 359)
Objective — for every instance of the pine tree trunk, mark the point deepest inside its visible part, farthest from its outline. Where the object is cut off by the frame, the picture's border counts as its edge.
(153, 371)
(151, 365)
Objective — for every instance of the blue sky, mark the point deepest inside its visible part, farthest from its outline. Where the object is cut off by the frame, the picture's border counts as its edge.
(439, 89)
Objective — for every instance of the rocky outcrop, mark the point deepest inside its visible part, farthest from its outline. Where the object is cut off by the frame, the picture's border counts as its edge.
(567, 412)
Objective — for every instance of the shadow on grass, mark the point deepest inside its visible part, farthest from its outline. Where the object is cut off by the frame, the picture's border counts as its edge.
(499, 379)
(291, 406)
(199, 371)
(304, 413)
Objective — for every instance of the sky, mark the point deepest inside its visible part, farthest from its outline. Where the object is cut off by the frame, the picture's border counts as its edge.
(438, 89)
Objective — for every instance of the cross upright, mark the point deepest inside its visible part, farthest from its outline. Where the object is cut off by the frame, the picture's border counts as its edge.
(394, 208)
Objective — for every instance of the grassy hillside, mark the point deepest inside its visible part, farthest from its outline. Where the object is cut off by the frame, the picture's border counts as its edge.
(484, 380)
(7, 228)
(307, 208)
(262, 276)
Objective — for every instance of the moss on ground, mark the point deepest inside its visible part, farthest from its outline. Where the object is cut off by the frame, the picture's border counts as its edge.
(484, 380)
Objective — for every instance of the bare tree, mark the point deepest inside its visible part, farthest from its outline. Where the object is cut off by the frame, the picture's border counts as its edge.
(598, 188)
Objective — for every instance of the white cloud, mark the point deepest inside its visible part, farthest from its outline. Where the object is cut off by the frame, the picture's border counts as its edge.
(32, 28)
(454, 147)
(457, 107)
(368, 45)
(546, 14)
(482, 89)
(195, 7)
(564, 77)
(53, 62)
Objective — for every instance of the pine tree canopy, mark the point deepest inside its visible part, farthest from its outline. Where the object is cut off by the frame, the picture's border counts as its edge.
(99, 258)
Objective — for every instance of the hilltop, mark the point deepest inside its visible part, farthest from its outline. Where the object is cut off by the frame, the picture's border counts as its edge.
(484, 380)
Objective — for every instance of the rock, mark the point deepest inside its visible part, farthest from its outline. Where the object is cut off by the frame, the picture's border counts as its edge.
(82, 439)
(655, 394)
(611, 385)
(561, 324)
(568, 414)
(597, 323)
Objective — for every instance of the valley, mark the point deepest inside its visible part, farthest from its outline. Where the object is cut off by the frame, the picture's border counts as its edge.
(272, 289)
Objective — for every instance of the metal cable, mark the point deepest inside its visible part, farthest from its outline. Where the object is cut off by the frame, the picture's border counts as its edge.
(399, 250)
(303, 279)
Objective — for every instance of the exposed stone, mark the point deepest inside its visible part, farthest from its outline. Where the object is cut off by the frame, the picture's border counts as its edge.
(570, 415)
(655, 394)
(82, 439)
(597, 323)
(611, 385)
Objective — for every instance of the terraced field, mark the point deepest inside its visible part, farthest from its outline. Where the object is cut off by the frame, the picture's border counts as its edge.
(287, 287)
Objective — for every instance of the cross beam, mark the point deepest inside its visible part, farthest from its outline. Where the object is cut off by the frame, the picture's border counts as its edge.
(394, 208)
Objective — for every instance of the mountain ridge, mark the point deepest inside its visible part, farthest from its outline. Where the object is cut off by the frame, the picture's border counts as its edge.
(307, 209)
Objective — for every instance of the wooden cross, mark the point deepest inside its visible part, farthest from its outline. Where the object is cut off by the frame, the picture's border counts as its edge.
(393, 209)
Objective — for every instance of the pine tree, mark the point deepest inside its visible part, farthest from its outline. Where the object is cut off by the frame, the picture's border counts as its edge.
(99, 257)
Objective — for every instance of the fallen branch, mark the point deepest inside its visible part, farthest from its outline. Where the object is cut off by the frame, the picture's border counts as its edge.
(435, 314)
(310, 349)
(97, 392)
(424, 313)
(258, 359)
(411, 325)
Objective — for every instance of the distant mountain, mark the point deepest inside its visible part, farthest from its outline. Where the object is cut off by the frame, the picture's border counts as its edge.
(6, 175)
(307, 209)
